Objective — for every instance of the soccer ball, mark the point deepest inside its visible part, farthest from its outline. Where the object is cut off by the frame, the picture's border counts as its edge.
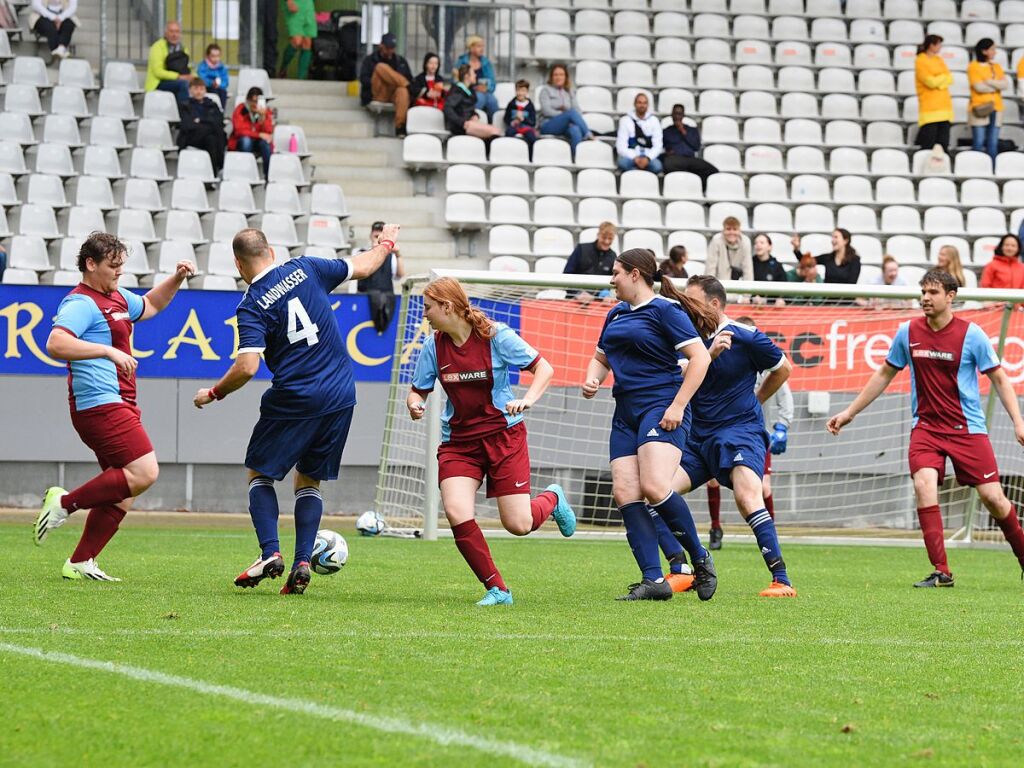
(370, 524)
(330, 552)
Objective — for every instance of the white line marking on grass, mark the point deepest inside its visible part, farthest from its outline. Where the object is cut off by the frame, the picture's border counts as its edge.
(438, 734)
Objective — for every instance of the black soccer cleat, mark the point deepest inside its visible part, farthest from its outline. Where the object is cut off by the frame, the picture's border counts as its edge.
(648, 590)
(298, 580)
(705, 578)
(264, 568)
(936, 579)
(715, 539)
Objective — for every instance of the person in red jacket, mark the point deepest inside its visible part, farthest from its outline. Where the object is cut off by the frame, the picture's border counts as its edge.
(1005, 270)
(252, 127)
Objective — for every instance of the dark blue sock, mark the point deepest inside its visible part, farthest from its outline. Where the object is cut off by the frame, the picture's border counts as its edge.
(309, 508)
(669, 544)
(679, 519)
(263, 511)
(642, 538)
(763, 526)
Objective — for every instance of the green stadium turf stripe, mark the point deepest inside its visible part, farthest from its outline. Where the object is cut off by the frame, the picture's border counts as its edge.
(438, 734)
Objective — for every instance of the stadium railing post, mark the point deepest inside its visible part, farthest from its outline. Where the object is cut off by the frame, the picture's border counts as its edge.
(431, 493)
(966, 533)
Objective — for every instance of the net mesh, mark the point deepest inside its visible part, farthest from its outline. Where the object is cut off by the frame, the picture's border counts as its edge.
(854, 484)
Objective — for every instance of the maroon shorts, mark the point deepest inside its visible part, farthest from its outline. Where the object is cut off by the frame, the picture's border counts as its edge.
(767, 463)
(973, 460)
(113, 432)
(503, 458)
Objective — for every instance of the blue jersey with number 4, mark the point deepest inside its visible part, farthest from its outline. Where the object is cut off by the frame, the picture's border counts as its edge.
(286, 315)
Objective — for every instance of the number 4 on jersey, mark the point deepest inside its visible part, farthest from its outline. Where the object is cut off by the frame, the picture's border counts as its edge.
(297, 316)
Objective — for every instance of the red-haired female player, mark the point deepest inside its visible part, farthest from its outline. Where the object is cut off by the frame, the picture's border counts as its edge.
(482, 429)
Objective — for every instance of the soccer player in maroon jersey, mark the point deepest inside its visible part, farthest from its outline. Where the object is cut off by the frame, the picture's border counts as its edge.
(482, 429)
(945, 354)
(92, 331)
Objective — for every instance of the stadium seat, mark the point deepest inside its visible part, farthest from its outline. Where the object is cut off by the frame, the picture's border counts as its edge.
(509, 240)
(852, 188)
(170, 252)
(711, 51)
(907, 249)
(595, 47)
(726, 186)
(798, 105)
(813, 218)
(551, 47)
(639, 184)
(635, 23)
(551, 243)
(552, 210)
(591, 154)
(971, 164)
(673, 74)
(426, 120)
(8, 193)
(634, 74)
(856, 218)
(772, 216)
(27, 70)
(143, 194)
(685, 214)
(962, 246)
(216, 283)
(591, 211)
(16, 127)
(422, 152)
(221, 260)
(671, 24)
(753, 52)
(103, 131)
(251, 77)
(986, 221)
(27, 252)
(840, 106)
(868, 247)
(189, 195)
(983, 250)
(805, 160)
(762, 188)
(121, 75)
(718, 212)
(282, 198)
(751, 77)
(800, 131)
(1013, 192)
(723, 157)
(326, 231)
(12, 158)
(328, 199)
(24, 99)
(720, 129)
(642, 214)
(236, 196)
(137, 262)
(135, 225)
(115, 102)
(279, 229)
(509, 151)
(762, 159)
(283, 135)
(644, 238)
(227, 224)
(882, 134)
(155, 134)
(241, 166)
(195, 164)
(679, 185)
(509, 264)
(508, 209)
(284, 168)
(465, 211)
(94, 191)
(160, 105)
(557, 181)
(1009, 165)
(940, 220)
(54, 159)
(762, 130)
(695, 243)
(711, 25)
(44, 189)
(5, 230)
(894, 190)
(714, 102)
(900, 218)
(148, 163)
(669, 49)
(69, 277)
(833, 55)
(507, 180)
(14, 276)
(980, 192)
(551, 265)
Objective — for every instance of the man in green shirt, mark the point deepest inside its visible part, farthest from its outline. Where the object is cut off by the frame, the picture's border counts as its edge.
(167, 67)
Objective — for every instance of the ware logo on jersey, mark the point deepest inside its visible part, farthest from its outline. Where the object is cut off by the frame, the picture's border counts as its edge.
(461, 376)
(933, 354)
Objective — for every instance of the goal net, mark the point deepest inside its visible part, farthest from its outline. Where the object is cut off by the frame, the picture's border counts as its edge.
(856, 484)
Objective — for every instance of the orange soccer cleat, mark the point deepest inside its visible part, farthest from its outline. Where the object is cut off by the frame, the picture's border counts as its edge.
(778, 589)
(680, 582)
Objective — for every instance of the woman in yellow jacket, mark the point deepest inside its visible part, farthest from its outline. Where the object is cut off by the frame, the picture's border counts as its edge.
(935, 105)
(988, 81)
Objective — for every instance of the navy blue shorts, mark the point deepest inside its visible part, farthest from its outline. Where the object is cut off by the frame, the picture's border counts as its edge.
(635, 422)
(714, 456)
(313, 446)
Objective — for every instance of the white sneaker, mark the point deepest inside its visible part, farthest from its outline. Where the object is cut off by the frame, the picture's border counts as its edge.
(60, 52)
(51, 516)
(86, 570)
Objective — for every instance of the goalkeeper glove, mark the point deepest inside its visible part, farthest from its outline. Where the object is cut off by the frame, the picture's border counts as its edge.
(778, 439)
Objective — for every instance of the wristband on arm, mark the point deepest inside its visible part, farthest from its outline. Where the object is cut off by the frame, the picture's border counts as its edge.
(215, 394)
(389, 243)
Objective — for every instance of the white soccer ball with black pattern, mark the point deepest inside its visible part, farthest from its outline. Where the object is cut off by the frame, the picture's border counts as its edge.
(330, 552)
(370, 524)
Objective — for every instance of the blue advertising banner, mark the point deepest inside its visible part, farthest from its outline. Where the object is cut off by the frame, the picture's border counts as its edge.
(194, 338)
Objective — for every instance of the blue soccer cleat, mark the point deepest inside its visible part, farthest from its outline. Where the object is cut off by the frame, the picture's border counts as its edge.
(563, 513)
(496, 596)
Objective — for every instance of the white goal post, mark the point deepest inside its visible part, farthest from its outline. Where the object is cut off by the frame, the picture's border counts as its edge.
(854, 485)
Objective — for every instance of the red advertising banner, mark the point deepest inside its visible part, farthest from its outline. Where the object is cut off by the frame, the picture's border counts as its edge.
(832, 348)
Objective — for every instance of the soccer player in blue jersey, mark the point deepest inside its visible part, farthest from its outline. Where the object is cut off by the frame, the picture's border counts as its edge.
(728, 441)
(641, 342)
(305, 415)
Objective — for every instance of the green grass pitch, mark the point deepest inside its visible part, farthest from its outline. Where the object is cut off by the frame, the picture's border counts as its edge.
(389, 662)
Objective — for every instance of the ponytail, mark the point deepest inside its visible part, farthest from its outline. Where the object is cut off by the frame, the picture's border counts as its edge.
(481, 323)
(701, 316)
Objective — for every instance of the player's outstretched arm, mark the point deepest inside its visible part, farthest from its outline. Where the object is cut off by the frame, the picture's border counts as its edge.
(159, 296)
(542, 375)
(238, 375)
(876, 385)
(774, 380)
(698, 360)
(597, 372)
(368, 262)
(62, 345)
(1004, 388)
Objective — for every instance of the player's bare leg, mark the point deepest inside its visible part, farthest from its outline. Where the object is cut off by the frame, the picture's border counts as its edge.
(309, 508)
(458, 496)
(521, 514)
(746, 487)
(926, 491)
(1005, 515)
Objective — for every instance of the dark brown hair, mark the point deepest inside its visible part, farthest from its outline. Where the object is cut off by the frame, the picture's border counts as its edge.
(643, 261)
(711, 286)
(212, 47)
(929, 41)
(100, 246)
(941, 278)
(559, 65)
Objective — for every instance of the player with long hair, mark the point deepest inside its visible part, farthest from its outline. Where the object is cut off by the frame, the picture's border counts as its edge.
(483, 435)
(641, 342)
(945, 354)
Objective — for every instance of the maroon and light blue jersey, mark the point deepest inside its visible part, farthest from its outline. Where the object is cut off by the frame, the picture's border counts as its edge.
(476, 379)
(100, 318)
(944, 365)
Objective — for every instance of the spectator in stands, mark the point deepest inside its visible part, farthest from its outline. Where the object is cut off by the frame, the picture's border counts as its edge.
(559, 111)
(682, 145)
(1020, 82)
(596, 258)
(428, 87)
(3, 262)
(843, 264)
(766, 267)
(988, 81)
(484, 70)
(806, 272)
(300, 21)
(1005, 270)
(729, 253)
(935, 104)
(890, 275)
(167, 65)
(215, 74)
(948, 260)
(460, 115)
(252, 127)
(385, 76)
(675, 264)
(521, 116)
(639, 140)
(55, 20)
(380, 286)
(202, 124)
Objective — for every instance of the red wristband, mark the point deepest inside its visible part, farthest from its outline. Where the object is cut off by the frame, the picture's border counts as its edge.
(215, 394)
(389, 243)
